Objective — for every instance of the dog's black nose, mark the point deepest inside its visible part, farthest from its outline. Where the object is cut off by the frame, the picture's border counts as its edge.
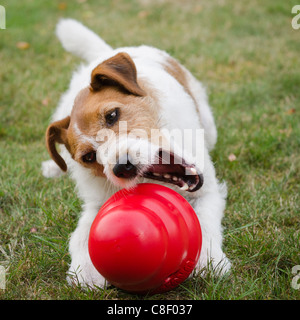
(125, 169)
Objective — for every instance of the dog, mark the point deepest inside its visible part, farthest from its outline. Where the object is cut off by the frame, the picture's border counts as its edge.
(113, 126)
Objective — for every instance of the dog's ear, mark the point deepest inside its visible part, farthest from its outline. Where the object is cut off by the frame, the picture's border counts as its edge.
(57, 133)
(118, 71)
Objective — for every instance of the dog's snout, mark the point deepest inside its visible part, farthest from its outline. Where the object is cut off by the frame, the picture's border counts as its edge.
(125, 169)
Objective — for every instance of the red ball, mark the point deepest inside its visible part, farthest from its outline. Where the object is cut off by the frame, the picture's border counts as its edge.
(145, 240)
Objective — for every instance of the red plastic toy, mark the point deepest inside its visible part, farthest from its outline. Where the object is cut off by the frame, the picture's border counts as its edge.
(146, 240)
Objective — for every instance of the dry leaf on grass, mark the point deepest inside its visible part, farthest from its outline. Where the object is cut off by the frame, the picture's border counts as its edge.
(45, 101)
(231, 157)
(291, 111)
(62, 6)
(22, 45)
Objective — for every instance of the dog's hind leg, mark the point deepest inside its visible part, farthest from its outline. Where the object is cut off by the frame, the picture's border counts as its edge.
(51, 170)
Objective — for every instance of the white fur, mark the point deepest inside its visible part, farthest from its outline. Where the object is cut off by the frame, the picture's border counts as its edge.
(79, 40)
(178, 112)
(50, 169)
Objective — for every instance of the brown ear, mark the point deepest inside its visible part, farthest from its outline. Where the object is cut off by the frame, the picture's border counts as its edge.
(118, 71)
(57, 132)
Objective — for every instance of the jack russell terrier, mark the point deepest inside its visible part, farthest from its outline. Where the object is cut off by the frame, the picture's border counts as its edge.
(133, 115)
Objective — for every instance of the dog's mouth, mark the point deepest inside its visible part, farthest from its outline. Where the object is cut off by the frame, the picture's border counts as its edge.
(174, 170)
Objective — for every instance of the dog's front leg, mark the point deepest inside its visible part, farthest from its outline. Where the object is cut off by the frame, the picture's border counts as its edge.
(82, 271)
(209, 209)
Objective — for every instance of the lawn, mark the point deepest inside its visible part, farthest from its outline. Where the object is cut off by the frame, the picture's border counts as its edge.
(247, 55)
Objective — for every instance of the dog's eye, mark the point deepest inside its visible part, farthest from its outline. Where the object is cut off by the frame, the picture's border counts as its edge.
(112, 117)
(89, 157)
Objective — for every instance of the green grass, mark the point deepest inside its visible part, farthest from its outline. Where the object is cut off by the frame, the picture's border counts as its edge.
(247, 55)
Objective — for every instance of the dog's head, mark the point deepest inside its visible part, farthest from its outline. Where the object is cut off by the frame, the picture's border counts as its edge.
(114, 131)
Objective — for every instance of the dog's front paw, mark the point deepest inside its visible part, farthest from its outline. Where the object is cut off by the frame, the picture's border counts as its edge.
(86, 277)
(218, 265)
(222, 266)
(50, 169)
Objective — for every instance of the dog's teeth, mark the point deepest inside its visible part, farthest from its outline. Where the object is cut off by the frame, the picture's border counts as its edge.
(174, 178)
(191, 171)
(194, 171)
(167, 176)
(184, 187)
(156, 174)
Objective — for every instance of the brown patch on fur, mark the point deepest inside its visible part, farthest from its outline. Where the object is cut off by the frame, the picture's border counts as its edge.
(179, 73)
(91, 106)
